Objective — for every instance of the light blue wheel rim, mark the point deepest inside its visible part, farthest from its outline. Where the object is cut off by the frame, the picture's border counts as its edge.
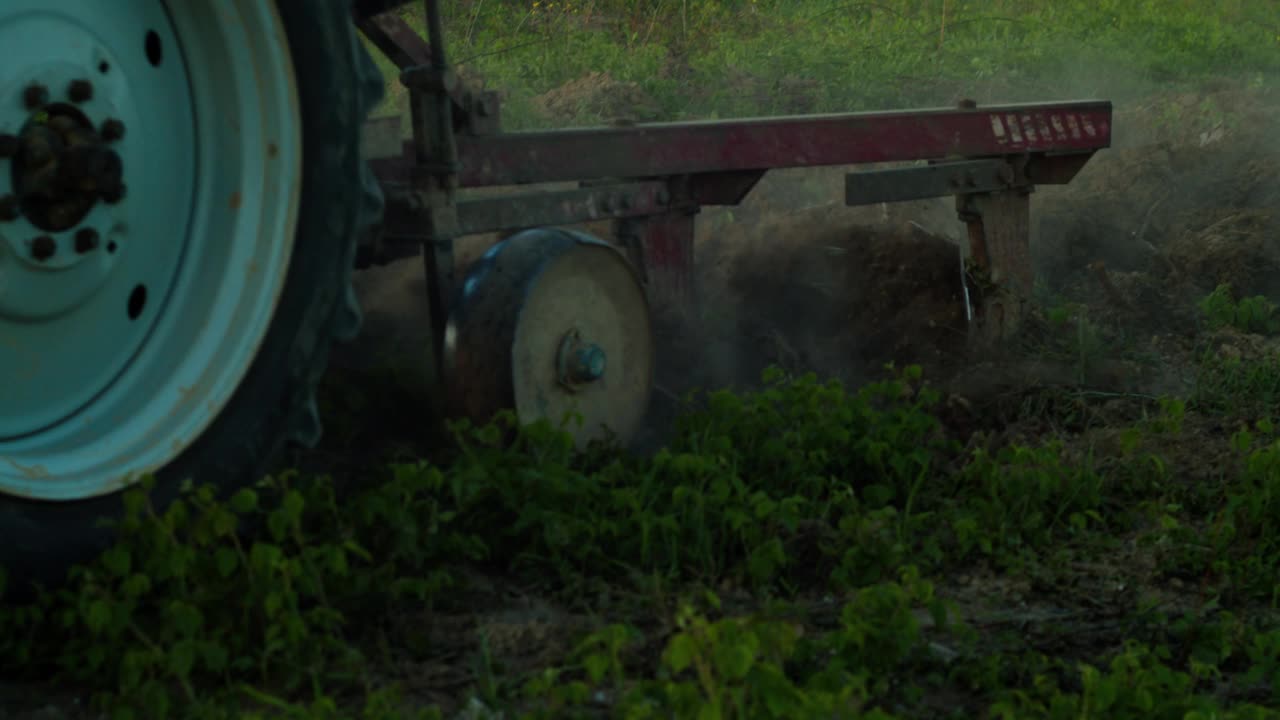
(91, 400)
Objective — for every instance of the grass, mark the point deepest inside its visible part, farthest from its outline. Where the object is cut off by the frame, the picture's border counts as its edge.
(716, 58)
(803, 550)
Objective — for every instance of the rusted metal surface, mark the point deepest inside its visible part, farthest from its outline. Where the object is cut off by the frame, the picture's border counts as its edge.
(918, 183)
(662, 149)
(432, 192)
(535, 208)
(999, 227)
(661, 247)
(530, 210)
(394, 38)
(728, 188)
(361, 9)
(1050, 169)
(963, 177)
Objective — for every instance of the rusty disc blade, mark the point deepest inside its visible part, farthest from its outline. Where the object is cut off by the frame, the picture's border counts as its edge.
(552, 324)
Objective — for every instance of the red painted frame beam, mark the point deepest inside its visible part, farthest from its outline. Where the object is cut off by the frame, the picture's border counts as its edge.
(664, 149)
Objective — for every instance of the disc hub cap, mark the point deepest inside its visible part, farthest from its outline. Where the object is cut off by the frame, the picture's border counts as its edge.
(579, 362)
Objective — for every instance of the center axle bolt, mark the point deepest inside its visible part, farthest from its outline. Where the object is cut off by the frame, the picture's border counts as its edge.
(43, 248)
(587, 364)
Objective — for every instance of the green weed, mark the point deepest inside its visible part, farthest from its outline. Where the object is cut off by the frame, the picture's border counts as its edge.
(1254, 314)
(251, 604)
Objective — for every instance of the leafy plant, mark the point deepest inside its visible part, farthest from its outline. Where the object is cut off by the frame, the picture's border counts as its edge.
(1254, 314)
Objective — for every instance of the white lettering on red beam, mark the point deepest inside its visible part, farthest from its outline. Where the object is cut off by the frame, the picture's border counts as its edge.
(1063, 128)
(1014, 132)
(1028, 128)
(1058, 127)
(997, 128)
(1045, 132)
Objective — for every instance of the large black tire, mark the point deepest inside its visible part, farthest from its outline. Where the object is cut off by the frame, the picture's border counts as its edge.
(338, 84)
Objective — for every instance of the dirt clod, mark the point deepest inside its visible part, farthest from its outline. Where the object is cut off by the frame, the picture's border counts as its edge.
(600, 95)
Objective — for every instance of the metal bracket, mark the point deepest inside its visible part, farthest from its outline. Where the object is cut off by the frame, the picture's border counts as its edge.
(560, 207)
(937, 180)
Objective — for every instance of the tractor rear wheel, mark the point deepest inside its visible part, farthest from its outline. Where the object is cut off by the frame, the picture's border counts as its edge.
(181, 192)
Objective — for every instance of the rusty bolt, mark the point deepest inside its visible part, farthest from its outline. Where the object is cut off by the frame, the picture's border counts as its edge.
(9, 145)
(112, 130)
(10, 208)
(113, 195)
(86, 240)
(43, 248)
(35, 95)
(80, 91)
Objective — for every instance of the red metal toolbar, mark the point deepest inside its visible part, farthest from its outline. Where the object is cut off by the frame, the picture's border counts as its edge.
(664, 149)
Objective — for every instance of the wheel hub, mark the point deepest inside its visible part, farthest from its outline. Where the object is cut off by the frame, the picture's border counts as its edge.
(579, 362)
(62, 166)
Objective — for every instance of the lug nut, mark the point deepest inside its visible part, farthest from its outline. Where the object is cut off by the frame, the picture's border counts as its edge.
(80, 91)
(43, 248)
(112, 130)
(9, 145)
(9, 208)
(86, 240)
(113, 195)
(35, 95)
